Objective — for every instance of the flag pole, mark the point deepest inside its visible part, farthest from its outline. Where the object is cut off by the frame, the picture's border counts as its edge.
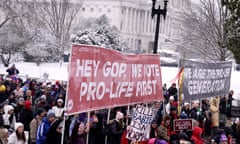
(180, 83)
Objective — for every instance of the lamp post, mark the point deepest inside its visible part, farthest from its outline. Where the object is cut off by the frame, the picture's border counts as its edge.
(158, 12)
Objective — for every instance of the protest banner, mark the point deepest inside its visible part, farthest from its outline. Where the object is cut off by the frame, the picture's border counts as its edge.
(235, 108)
(139, 129)
(102, 78)
(202, 80)
(182, 124)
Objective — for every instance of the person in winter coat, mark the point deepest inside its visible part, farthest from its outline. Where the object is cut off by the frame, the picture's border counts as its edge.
(54, 135)
(12, 70)
(35, 123)
(194, 111)
(26, 115)
(59, 108)
(229, 133)
(79, 133)
(19, 136)
(172, 91)
(170, 104)
(41, 102)
(18, 91)
(3, 131)
(163, 131)
(44, 128)
(117, 128)
(223, 109)
(185, 111)
(9, 118)
(214, 109)
(196, 135)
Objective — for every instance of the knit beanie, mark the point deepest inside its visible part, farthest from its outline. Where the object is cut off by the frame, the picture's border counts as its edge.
(17, 125)
(223, 138)
(161, 142)
(51, 114)
(27, 105)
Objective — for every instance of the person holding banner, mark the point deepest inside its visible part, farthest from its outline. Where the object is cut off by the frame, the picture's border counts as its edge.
(79, 133)
(117, 128)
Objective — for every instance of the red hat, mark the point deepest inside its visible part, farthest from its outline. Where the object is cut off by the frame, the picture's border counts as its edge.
(27, 105)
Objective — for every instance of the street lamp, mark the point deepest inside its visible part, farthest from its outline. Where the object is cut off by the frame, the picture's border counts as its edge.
(158, 12)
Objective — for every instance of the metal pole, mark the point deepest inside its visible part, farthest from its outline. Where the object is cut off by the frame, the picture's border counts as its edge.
(87, 139)
(155, 49)
(108, 118)
(128, 111)
(63, 130)
(158, 12)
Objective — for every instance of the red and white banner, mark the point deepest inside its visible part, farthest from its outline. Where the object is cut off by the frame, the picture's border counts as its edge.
(101, 78)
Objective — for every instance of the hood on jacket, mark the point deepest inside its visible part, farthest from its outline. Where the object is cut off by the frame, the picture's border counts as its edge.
(45, 120)
(197, 131)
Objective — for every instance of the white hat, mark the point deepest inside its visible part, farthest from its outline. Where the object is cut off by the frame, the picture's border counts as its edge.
(17, 125)
(186, 103)
(7, 108)
(196, 102)
(171, 98)
(60, 100)
(119, 115)
(43, 97)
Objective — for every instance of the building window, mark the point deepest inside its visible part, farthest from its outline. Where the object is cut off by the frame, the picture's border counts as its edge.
(91, 9)
(109, 10)
(83, 9)
(139, 43)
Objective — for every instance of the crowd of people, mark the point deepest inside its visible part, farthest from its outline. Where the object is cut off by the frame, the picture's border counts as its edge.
(32, 112)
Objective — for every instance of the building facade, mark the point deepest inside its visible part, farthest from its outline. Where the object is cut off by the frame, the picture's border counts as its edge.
(133, 20)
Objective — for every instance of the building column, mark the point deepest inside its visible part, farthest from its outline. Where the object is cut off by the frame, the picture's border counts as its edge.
(126, 19)
(142, 22)
(145, 21)
(137, 21)
(150, 22)
(134, 20)
(130, 20)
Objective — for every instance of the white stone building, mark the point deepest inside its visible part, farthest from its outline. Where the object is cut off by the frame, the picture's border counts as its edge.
(133, 20)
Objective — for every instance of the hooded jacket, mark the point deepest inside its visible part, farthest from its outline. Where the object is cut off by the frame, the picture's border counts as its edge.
(42, 131)
(196, 136)
(26, 115)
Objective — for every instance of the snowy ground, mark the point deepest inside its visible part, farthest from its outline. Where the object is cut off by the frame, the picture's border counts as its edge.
(60, 72)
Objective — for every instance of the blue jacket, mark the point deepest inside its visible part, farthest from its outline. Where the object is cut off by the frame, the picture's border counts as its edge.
(42, 131)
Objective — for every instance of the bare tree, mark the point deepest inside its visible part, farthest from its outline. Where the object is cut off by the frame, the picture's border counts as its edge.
(204, 30)
(58, 17)
(12, 31)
